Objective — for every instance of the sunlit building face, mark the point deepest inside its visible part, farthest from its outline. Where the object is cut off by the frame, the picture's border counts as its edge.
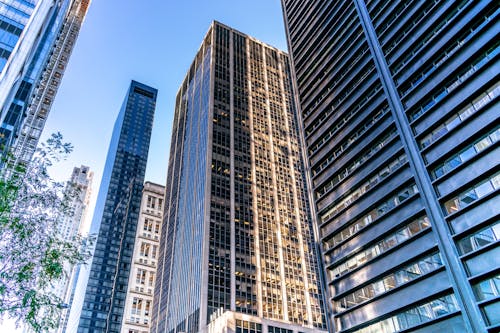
(238, 247)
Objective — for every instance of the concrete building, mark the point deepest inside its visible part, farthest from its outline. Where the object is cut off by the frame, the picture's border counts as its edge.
(78, 189)
(116, 214)
(139, 300)
(400, 116)
(237, 247)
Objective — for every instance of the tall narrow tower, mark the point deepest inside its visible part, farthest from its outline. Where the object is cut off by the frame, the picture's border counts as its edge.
(117, 212)
(79, 189)
(237, 251)
(399, 102)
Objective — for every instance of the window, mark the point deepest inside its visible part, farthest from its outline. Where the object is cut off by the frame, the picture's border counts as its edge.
(478, 191)
(148, 225)
(136, 306)
(467, 153)
(151, 279)
(414, 316)
(383, 208)
(141, 276)
(480, 239)
(391, 281)
(379, 248)
(144, 251)
(487, 289)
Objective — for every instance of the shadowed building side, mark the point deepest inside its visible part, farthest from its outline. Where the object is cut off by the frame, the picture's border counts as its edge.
(399, 107)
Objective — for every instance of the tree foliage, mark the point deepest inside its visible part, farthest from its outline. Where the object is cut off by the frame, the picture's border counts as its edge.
(33, 255)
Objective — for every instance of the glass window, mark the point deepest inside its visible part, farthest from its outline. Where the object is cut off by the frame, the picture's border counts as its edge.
(492, 312)
(484, 189)
(483, 144)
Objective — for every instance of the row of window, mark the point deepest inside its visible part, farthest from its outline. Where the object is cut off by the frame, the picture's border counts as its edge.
(141, 277)
(480, 239)
(392, 166)
(467, 153)
(415, 316)
(154, 202)
(243, 326)
(457, 44)
(457, 81)
(320, 119)
(136, 308)
(487, 289)
(389, 242)
(352, 139)
(467, 197)
(354, 165)
(391, 281)
(374, 214)
(457, 118)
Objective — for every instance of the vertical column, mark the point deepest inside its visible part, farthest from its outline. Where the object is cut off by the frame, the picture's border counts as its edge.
(254, 183)
(231, 172)
(275, 189)
(208, 180)
(473, 319)
(296, 202)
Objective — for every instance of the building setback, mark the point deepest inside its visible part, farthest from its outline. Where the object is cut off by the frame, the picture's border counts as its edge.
(37, 38)
(237, 248)
(399, 107)
(117, 212)
(139, 301)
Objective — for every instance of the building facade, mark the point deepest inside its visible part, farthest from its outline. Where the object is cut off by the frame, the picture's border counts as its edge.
(399, 109)
(117, 212)
(237, 238)
(47, 83)
(78, 189)
(139, 301)
(37, 38)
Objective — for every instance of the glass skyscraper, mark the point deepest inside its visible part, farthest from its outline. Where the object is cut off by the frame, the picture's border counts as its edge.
(36, 40)
(117, 212)
(400, 112)
(237, 248)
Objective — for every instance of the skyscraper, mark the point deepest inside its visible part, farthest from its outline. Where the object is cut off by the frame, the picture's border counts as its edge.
(399, 106)
(139, 301)
(37, 38)
(79, 189)
(47, 83)
(237, 251)
(117, 212)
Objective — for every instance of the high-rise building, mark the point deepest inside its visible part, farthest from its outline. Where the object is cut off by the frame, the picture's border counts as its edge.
(117, 212)
(139, 301)
(237, 251)
(399, 107)
(78, 189)
(47, 83)
(37, 38)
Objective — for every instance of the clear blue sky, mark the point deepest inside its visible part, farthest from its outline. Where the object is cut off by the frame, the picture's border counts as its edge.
(152, 41)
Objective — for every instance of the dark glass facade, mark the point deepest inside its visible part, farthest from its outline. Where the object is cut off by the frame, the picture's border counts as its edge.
(237, 233)
(399, 105)
(14, 16)
(117, 211)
